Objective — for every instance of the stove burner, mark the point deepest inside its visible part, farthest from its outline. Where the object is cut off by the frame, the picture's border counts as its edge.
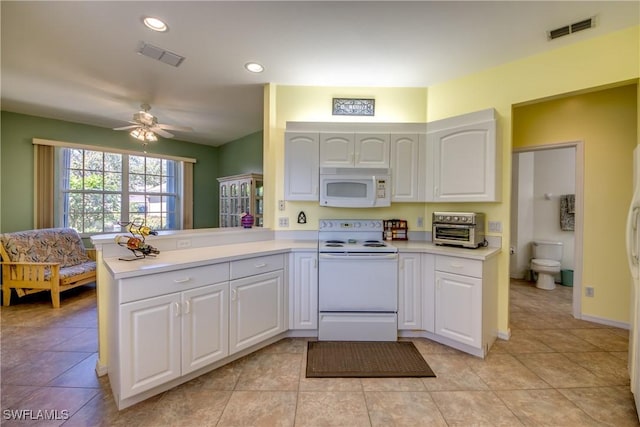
(374, 241)
(335, 241)
(333, 245)
(374, 245)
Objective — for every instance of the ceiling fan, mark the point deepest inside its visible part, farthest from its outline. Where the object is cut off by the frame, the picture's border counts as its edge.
(145, 126)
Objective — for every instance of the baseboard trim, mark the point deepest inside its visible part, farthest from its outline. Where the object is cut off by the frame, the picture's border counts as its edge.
(505, 335)
(101, 370)
(605, 321)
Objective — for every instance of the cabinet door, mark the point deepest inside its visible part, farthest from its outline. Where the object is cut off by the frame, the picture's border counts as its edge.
(428, 292)
(256, 311)
(205, 326)
(371, 150)
(336, 150)
(149, 343)
(458, 308)
(303, 285)
(301, 163)
(409, 292)
(465, 163)
(406, 178)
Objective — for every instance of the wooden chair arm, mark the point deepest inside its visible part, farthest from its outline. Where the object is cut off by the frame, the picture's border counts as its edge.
(91, 253)
(35, 264)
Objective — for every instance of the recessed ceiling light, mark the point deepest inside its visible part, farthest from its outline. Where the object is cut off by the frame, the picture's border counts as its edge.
(155, 24)
(254, 67)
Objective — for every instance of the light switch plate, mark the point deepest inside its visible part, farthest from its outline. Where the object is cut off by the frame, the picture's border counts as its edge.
(495, 227)
(283, 221)
(281, 205)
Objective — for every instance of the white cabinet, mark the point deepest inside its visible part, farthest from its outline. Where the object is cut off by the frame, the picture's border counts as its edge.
(151, 334)
(170, 324)
(257, 302)
(303, 290)
(360, 150)
(428, 292)
(408, 167)
(240, 194)
(301, 163)
(205, 326)
(466, 301)
(409, 291)
(458, 304)
(465, 164)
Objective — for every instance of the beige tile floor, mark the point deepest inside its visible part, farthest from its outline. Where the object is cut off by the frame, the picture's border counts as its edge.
(555, 371)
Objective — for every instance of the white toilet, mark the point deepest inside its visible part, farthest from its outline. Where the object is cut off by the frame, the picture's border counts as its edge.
(546, 262)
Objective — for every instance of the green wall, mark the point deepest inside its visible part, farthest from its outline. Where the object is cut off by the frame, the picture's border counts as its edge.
(243, 155)
(16, 165)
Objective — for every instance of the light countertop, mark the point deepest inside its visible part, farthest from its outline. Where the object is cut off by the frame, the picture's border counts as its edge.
(195, 257)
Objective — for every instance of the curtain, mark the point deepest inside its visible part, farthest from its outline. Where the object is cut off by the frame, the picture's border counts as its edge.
(44, 164)
(187, 195)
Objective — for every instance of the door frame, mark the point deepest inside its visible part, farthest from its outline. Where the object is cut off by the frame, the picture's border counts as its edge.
(579, 215)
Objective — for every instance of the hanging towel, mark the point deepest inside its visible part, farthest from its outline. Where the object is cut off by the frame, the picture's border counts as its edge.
(567, 212)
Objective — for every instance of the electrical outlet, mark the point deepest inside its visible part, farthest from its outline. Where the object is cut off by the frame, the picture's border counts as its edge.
(589, 292)
(495, 227)
(283, 221)
(281, 205)
(183, 244)
(420, 221)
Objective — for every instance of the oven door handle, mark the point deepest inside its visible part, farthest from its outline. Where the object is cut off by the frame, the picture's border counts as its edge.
(351, 257)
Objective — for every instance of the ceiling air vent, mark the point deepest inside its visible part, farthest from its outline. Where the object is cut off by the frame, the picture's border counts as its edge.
(160, 54)
(572, 28)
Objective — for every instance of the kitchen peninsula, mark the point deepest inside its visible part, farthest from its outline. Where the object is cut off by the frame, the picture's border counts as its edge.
(212, 296)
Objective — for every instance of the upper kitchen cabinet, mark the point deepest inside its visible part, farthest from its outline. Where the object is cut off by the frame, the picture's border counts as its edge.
(301, 162)
(360, 150)
(465, 168)
(408, 157)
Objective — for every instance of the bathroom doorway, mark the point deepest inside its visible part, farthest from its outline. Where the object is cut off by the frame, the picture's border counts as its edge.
(541, 177)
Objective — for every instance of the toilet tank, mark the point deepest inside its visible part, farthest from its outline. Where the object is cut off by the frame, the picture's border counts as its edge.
(545, 249)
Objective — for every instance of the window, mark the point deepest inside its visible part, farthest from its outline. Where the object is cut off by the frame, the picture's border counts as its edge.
(99, 189)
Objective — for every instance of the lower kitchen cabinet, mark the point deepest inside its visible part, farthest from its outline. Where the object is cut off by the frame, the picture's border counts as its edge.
(303, 290)
(458, 307)
(466, 301)
(256, 310)
(409, 291)
(171, 335)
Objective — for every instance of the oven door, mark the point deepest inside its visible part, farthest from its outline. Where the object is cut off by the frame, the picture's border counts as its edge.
(358, 282)
(454, 234)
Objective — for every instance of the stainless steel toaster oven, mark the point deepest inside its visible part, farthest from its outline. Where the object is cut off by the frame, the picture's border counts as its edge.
(465, 229)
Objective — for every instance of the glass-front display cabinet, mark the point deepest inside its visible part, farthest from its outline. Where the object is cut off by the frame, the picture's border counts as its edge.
(241, 194)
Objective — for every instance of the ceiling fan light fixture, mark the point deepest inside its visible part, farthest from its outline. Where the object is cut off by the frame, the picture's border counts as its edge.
(155, 24)
(143, 135)
(254, 67)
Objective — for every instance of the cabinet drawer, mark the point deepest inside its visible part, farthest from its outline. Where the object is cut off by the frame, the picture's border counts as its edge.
(467, 267)
(257, 265)
(152, 285)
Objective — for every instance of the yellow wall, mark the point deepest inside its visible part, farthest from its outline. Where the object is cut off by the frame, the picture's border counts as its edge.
(605, 121)
(588, 64)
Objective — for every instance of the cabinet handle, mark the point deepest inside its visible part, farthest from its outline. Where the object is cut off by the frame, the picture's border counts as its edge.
(456, 265)
(177, 304)
(435, 191)
(261, 265)
(438, 285)
(315, 263)
(357, 157)
(317, 190)
(187, 305)
(181, 280)
(233, 294)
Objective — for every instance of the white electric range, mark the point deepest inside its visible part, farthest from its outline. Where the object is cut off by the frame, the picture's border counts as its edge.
(358, 282)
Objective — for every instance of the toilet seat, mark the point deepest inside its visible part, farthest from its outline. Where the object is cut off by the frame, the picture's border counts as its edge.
(546, 263)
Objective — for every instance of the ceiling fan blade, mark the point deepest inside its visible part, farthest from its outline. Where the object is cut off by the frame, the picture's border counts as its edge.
(161, 132)
(126, 127)
(178, 128)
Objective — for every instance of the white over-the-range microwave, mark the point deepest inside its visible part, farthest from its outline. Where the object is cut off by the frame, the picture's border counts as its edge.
(355, 187)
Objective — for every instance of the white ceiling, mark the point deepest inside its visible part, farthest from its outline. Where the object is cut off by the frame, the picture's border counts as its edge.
(77, 61)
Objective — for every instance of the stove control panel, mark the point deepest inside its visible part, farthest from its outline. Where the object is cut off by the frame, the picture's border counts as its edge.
(350, 224)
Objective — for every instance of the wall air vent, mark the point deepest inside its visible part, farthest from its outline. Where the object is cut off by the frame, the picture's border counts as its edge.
(160, 54)
(572, 28)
